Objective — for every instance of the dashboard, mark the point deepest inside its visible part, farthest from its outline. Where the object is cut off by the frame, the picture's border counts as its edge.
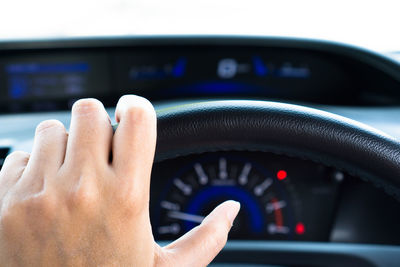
(48, 76)
(284, 199)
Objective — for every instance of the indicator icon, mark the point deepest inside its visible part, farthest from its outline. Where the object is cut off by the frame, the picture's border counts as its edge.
(300, 228)
(179, 68)
(259, 67)
(289, 71)
(227, 68)
(281, 174)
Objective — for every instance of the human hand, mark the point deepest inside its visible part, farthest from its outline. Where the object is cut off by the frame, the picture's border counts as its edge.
(67, 204)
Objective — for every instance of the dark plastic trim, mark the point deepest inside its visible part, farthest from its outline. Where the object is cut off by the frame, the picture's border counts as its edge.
(307, 254)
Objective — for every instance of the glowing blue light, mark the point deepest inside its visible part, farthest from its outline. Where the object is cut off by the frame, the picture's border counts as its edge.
(34, 68)
(209, 194)
(179, 68)
(259, 67)
(18, 87)
(288, 71)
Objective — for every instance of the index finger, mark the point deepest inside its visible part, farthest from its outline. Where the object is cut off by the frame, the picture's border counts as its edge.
(135, 138)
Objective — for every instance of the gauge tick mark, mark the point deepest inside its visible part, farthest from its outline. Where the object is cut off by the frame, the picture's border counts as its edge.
(169, 205)
(243, 177)
(277, 229)
(223, 174)
(260, 189)
(186, 189)
(270, 207)
(169, 229)
(203, 178)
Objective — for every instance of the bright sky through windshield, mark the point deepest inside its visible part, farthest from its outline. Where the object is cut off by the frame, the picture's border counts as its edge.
(370, 24)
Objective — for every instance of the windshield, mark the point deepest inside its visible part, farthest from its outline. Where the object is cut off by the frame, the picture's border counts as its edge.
(370, 24)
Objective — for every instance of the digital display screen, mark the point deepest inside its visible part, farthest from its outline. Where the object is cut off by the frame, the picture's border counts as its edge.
(217, 71)
(29, 80)
(52, 82)
(38, 81)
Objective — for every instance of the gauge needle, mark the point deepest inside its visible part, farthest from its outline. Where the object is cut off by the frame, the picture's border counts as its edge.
(185, 216)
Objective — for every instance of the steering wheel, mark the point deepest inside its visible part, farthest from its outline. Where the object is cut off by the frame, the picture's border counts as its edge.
(285, 129)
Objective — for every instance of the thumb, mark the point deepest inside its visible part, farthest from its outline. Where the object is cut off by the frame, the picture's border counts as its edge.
(199, 246)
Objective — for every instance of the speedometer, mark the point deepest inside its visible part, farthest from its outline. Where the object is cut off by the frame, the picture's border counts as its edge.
(265, 196)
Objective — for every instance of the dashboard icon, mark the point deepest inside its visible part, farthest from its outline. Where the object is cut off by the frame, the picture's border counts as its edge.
(227, 68)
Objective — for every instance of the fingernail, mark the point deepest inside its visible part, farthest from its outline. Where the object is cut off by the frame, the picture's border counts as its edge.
(233, 211)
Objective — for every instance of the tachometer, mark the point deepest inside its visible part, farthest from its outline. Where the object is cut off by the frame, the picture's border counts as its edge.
(188, 196)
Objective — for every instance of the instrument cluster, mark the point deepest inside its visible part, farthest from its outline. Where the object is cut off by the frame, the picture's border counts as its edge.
(281, 198)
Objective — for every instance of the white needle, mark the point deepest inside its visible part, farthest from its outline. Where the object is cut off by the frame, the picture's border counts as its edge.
(185, 216)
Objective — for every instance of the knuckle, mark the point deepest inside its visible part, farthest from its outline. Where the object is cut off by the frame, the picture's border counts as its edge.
(142, 110)
(87, 106)
(136, 114)
(17, 156)
(49, 125)
(84, 198)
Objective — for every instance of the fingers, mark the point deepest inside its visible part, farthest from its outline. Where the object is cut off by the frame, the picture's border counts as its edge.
(48, 148)
(90, 135)
(200, 246)
(135, 139)
(12, 170)
(46, 158)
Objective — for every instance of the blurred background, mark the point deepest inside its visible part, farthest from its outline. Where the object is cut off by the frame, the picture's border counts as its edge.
(370, 24)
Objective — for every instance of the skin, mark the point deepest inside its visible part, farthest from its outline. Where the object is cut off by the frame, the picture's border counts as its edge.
(67, 204)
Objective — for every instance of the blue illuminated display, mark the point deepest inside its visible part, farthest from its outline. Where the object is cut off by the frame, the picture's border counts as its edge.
(220, 87)
(288, 71)
(30, 79)
(35, 68)
(150, 72)
(18, 86)
(209, 194)
(179, 68)
(147, 75)
(259, 67)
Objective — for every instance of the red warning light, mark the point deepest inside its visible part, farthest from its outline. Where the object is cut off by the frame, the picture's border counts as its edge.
(281, 174)
(300, 228)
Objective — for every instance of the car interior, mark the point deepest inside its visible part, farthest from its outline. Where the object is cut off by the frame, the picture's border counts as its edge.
(303, 133)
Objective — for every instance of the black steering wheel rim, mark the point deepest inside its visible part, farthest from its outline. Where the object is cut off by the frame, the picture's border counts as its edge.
(283, 129)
